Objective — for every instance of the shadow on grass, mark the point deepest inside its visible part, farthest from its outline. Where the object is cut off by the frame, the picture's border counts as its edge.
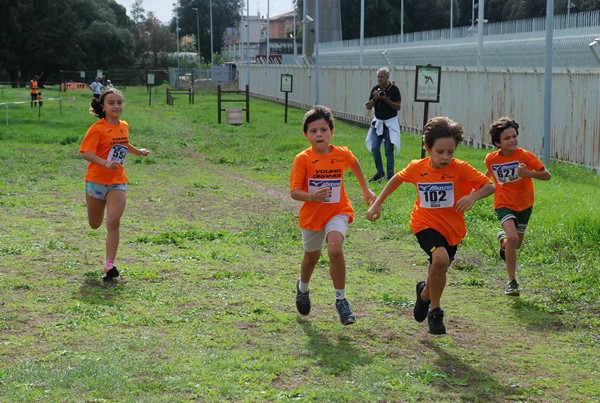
(536, 317)
(98, 292)
(335, 356)
(472, 384)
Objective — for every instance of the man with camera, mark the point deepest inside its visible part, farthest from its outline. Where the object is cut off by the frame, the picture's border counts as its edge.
(385, 98)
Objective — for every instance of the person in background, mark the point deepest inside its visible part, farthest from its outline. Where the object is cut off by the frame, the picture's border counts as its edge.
(317, 180)
(385, 98)
(446, 188)
(96, 87)
(512, 169)
(33, 90)
(105, 147)
(40, 101)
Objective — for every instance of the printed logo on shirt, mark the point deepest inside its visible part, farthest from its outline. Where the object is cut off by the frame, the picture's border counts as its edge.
(506, 172)
(423, 174)
(436, 195)
(334, 185)
(327, 173)
(315, 161)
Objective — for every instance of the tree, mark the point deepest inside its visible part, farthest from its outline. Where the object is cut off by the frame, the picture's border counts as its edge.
(226, 13)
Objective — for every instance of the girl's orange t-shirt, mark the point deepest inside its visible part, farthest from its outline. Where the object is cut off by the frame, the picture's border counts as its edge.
(109, 142)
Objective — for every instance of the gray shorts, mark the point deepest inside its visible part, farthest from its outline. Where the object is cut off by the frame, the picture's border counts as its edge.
(313, 240)
(99, 191)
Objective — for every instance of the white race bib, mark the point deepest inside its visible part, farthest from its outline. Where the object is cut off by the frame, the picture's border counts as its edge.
(118, 153)
(335, 185)
(506, 172)
(436, 195)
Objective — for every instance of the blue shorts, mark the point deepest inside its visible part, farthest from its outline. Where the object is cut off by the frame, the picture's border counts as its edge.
(99, 191)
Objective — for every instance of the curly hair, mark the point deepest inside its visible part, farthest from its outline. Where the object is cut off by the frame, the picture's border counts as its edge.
(96, 104)
(499, 126)
(442, 127)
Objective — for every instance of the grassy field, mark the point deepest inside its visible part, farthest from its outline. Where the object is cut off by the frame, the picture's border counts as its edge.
(210, 249)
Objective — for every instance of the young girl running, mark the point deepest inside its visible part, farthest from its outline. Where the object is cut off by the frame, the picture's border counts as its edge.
(444, 192)
(105, 146)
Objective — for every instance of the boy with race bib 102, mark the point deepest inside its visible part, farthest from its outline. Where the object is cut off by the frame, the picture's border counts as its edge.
(446, 188)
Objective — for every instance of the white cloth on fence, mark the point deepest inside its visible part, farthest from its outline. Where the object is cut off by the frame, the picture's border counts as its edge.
(376, 128)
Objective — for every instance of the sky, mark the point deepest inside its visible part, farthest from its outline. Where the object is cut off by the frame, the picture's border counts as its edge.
(163, 9)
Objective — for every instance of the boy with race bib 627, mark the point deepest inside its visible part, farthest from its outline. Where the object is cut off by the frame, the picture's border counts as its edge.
(512, 169)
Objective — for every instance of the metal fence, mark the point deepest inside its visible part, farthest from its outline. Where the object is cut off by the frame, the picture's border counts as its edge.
(471, 96)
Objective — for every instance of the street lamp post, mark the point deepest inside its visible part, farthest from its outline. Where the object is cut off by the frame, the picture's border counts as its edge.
(198, 33)
(212, 57)
(177, 36)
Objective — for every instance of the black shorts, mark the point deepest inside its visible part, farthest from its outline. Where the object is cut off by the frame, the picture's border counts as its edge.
(429, 240)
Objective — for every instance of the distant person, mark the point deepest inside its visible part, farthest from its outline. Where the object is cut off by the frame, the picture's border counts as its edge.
(96, 87)
(317, 180)
(105, 146)
(512, 169)
(385, 98)
(109, 84)
(33, 90)
(40, 101)
(444, 192)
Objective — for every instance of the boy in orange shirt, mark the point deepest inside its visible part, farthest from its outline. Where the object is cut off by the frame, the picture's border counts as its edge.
(105, 147)
(317, 179)
(444, 192)
(512, 169)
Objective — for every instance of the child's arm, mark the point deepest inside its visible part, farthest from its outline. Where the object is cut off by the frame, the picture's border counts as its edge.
(142, 152)
(94, 159)
(374, 211)
(542, 174)
(467, 202)
(319, 195)
(368, 194)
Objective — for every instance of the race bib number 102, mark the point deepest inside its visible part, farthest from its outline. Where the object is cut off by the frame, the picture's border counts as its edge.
(436, 195)
(118, 153)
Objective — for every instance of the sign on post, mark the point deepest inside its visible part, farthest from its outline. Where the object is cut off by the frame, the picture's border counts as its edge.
(427, 89)
(149, 84)
(287, 84)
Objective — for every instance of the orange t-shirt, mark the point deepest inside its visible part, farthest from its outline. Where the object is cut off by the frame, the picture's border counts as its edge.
(512, 191)
(438, 190)
(33, 86)
(310, 171)
(109, 142)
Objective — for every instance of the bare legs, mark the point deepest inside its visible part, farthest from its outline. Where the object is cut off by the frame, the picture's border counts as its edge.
(115, 206)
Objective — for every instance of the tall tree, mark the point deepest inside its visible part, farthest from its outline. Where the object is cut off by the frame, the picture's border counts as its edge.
(225, 14)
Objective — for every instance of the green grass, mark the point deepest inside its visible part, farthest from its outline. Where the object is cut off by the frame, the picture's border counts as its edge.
(211, 250)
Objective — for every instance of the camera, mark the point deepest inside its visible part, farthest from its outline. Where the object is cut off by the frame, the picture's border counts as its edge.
(381, 92)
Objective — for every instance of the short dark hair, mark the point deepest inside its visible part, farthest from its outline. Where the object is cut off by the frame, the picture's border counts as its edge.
(499, 126)
(442, 127)
(315, 113)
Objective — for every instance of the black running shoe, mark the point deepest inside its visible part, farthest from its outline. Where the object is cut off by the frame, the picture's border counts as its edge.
(378, 177)
(302, 300)
(435, 320)
(112, 273)
(421, 307)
